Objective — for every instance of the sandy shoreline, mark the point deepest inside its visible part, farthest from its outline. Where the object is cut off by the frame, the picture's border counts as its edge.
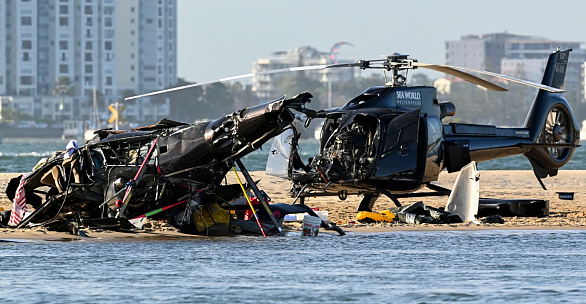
(564, 214)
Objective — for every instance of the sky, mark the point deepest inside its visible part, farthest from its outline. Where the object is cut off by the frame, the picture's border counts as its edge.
(220, 38)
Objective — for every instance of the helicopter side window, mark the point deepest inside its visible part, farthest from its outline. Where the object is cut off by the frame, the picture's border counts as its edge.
(362, 99)
(368, 95)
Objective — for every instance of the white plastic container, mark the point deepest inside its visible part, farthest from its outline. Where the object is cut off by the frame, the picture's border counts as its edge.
(311, 225)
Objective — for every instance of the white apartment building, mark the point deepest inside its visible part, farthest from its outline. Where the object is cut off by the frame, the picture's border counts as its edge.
(3, 30)
(21, 44)
(47, 39)
(265, 86)
(147, 51)
(112, 45)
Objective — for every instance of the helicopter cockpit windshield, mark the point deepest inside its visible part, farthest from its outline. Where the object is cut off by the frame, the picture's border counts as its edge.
(368, 95)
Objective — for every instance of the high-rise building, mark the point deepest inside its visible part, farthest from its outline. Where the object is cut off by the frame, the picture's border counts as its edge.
(4, 26)
(48, 39)
(520, 56)
(146, 44)
(146, 51)
(481, 52)
(526, 59)
(109, 45)
(21, 44)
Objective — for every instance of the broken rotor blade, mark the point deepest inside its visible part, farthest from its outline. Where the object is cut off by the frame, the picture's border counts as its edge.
(462, 75)
(513, 79)
(302, 68)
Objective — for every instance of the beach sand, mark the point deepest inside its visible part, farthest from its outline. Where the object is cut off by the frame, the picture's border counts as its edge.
(564, 214)
(503, 184)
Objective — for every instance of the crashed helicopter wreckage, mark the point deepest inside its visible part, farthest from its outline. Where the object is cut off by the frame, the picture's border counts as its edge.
(170, 171)
(388, 140)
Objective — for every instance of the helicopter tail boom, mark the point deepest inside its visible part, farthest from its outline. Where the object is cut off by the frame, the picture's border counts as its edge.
(551, 121)
(548, 139)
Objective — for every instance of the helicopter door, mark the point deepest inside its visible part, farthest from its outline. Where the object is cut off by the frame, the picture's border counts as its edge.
(279, 155)
(399, 148)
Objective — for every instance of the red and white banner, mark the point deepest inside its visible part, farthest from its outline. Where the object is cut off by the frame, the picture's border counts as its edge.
(19, 204)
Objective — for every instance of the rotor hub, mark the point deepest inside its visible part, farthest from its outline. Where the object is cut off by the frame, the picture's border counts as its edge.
(557, 132)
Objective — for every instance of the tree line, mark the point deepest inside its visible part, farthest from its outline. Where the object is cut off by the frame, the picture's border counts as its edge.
(473, 104)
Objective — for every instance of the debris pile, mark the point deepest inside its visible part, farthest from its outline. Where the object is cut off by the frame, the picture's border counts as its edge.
(170, 171)
(416, 213)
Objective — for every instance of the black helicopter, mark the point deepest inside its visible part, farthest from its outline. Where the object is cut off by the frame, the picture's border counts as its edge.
(391, 140)
(388, 140)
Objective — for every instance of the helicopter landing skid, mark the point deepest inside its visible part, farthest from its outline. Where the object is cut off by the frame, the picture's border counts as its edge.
(370, 197)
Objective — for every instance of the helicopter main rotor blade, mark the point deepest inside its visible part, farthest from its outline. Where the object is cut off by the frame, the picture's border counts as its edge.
(445, 68)
(302, 68)
(463, 75)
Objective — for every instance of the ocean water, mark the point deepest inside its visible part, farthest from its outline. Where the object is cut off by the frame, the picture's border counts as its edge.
(22, 154)
(394, 267)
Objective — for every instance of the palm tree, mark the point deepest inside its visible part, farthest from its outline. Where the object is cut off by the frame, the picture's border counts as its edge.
(63, 86)
(156, 101)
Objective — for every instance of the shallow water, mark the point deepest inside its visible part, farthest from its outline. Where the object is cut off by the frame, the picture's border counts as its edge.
(22, 154)
(481, 266)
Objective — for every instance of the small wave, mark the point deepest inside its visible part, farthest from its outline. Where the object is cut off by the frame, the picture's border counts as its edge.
(28, 154)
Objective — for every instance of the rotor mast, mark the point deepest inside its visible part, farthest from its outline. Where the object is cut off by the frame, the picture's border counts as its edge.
(395, 63)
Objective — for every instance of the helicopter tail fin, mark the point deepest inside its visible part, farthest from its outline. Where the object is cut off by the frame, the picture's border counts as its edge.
(555, 70)
(553, 127)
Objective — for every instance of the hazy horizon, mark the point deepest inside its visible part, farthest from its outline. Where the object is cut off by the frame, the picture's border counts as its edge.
(222, 38)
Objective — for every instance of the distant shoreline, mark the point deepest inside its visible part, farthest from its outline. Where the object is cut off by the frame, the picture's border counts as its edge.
(14, 132)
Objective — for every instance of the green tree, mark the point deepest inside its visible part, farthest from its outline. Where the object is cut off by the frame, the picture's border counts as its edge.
(420, 79)
(63, 86)
(186, 104)
(291, 85)
(242, 94)
(218, 99)
(13, 114)
(156, 101)
(128, 93)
